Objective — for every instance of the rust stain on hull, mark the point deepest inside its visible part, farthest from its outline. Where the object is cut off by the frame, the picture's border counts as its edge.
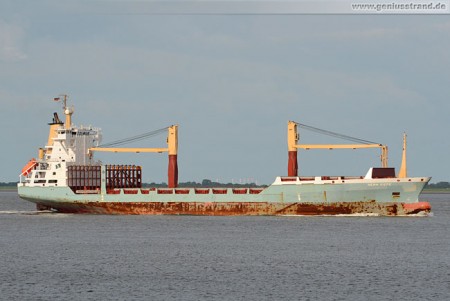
(239, 208)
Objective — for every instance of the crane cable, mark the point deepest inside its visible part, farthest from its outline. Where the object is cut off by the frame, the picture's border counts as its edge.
(134, 138)
(333, 134)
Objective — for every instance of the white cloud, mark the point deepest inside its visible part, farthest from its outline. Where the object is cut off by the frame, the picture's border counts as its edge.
(10, 42)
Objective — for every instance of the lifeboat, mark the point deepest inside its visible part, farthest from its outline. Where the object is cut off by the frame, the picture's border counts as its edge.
(29, 166)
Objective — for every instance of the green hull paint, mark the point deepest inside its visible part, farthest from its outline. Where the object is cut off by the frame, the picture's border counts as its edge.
(377, 196)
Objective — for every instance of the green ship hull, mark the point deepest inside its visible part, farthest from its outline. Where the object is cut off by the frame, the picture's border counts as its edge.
(286, 196)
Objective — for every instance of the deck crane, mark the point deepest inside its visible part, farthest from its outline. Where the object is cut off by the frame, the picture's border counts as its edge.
(171, 149)
(293, 138)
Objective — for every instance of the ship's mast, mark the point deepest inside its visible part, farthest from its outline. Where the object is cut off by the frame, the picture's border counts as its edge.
(292, 149)
(403, 171)
(54, 125)
(67, 112)
(172, 143)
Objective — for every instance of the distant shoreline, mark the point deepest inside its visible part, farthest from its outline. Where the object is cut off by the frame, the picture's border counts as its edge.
(13, 187)
(436, 191)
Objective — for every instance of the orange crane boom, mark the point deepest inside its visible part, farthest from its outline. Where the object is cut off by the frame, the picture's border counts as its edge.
(384, 149)
(171, 149)
(128, 149)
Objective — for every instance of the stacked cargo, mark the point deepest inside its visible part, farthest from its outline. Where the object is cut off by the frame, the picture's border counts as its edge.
(87, 178)
(84, 178)
(123, 176)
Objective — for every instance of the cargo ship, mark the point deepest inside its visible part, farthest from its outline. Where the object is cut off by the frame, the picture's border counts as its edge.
(67, 178)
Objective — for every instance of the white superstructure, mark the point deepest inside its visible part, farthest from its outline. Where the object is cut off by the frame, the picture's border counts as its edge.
(67, 145)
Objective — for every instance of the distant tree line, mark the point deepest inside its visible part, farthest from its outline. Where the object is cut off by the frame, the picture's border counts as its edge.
(5, 184)
(204, 183)
(439, 185)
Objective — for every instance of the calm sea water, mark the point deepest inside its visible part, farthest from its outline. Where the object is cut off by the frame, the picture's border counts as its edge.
(49, 256)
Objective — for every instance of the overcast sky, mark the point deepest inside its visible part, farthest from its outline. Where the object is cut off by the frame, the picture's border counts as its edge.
(231, 82)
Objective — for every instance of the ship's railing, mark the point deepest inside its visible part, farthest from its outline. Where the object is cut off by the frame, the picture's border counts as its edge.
(185, 190)
(37, 173)
(24, 179)
(303, 179)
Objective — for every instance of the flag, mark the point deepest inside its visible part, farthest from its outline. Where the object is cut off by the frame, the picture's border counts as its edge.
(56, 99)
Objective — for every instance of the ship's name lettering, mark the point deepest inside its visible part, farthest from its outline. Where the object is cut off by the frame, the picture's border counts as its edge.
(83, 133)
(380, 184)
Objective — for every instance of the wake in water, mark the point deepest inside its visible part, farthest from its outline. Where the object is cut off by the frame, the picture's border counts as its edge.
(422, 214)
(27, 212)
